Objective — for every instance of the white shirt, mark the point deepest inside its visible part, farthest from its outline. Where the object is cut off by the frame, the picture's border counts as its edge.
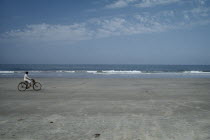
(26, 78)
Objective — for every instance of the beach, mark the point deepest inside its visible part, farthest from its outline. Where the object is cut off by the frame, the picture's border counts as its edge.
(106, 109)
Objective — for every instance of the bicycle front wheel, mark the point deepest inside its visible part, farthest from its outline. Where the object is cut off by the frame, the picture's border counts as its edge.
(37, 86)
(22, 86)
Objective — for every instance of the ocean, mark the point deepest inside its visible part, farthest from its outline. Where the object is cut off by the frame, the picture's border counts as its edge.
(105, 71)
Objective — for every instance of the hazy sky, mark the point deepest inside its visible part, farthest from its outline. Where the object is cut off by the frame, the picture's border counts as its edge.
(104, 31)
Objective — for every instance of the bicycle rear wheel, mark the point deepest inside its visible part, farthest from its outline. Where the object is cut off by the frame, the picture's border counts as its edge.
(37, 86)
(22, 86)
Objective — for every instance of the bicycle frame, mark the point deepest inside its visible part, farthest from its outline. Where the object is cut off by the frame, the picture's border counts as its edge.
(30, 84)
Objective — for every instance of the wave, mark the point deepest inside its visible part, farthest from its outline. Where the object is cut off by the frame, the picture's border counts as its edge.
(121, 72)
(108, 72)
(65, 71)
(196, 72)
(5, 72)
(152, 72)
(94, 72)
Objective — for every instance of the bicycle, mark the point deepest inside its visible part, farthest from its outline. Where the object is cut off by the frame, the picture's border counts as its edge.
(22, 86)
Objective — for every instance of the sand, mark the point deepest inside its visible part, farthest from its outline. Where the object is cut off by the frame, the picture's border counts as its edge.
(106, 109)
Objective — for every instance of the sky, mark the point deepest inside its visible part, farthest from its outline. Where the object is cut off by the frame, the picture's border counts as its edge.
(169, 32)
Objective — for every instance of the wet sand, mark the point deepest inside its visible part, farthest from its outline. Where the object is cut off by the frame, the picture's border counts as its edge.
(106, 109)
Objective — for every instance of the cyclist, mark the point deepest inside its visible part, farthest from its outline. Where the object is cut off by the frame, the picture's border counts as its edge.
(27, 79)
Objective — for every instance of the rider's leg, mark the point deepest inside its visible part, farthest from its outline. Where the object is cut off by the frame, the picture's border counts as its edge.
(28, 83)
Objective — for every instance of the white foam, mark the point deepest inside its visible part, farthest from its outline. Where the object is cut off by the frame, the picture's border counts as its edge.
(91, 72)
(69, 71)
(6, 71)
(65, 71)
(196, 72)
(121, 72)
(36, 71)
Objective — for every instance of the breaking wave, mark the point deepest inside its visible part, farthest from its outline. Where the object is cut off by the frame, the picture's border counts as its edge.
(121, 72)
(110, 72)
(196, 72)
(5, 72)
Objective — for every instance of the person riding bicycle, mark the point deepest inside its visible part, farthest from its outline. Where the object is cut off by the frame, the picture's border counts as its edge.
(27, 79)
(29, 82)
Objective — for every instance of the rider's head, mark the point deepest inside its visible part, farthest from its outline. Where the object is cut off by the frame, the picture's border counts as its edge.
(26, 72)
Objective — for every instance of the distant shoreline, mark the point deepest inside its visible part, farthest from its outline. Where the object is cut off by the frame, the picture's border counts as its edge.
(106, 71)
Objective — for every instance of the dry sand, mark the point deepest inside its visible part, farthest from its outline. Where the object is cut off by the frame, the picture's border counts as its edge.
(106, 109)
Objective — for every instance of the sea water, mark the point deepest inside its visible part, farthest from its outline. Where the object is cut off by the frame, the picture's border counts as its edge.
(105, 71)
